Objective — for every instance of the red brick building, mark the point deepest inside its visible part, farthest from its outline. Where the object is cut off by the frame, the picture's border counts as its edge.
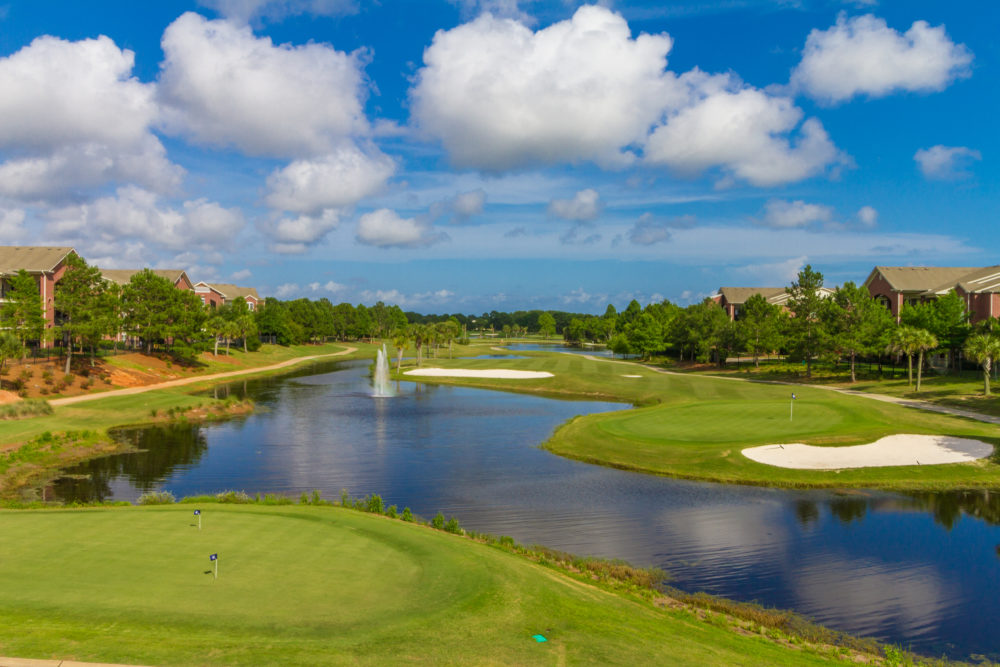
(894, 286)
(218, 294)
(123, 276)
(46, 264)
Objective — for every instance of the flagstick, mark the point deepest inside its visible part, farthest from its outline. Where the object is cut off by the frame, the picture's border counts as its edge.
(216, 568)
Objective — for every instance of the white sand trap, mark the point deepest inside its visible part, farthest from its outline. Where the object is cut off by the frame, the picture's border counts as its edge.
(892, 450)
(493, 373)
(631, 376)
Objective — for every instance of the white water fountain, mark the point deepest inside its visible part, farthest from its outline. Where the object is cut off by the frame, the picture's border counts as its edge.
(380, 384)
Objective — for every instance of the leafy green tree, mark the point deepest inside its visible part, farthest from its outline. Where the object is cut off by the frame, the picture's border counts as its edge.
(217, 326)
(857, 323)
(75, 294)
(155, 311)
(730, 338)
(546, 324)
(246, 326)
(984, 349)
(645, 335)
(808, 335)
(22, 312)
(10, 347)
(620, 345)
(761, 325)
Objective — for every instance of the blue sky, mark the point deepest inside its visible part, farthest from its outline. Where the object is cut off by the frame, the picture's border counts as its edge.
(470, 155)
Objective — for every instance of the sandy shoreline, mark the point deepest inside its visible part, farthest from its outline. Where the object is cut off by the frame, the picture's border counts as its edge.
(892, 450)
(491, 373)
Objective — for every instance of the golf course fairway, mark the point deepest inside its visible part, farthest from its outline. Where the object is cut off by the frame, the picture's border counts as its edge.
(321, 585)
(695, 426)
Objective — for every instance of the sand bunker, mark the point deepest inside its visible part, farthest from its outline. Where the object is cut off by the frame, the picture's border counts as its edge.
(892, 450)
(631, 376)
(492, 373)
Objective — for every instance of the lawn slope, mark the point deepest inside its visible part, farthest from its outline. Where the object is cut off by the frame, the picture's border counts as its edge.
(319, 585)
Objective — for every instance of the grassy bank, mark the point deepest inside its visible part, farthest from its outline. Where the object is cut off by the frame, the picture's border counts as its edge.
(694, 427)
(33, 449)
(323, 585)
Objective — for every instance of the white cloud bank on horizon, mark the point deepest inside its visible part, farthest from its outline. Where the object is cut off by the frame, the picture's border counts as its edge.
(499, 97)
(946, 163)
(864, 56)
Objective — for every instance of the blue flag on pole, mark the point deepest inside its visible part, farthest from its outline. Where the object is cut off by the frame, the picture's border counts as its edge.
(197, 512)
(214, 557)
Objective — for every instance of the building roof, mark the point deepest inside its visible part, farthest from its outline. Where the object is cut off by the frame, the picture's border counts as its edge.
(35, 259)
(739, 295)
(231, 292)
(920, 278)
(986, 279)
(123, 276)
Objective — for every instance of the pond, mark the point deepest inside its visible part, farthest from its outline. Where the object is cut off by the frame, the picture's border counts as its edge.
(916, 570)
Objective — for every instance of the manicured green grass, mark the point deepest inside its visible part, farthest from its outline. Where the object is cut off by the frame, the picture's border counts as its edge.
(318, 586)
(695, 426)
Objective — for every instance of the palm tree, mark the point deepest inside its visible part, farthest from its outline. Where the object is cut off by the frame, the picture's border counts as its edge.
(418, 334)
(902, 342)
(400, 340)
(983, 349)
(923, 341)
(217, 326)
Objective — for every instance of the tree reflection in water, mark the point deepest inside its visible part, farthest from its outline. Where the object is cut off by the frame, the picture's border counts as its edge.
(159, 451)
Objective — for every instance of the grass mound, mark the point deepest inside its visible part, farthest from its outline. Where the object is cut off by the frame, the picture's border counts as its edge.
(319, 585)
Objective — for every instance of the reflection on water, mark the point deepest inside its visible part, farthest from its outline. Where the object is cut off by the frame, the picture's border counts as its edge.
(918, 569)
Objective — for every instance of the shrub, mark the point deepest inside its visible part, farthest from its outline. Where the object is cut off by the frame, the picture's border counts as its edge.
(304, 498)
(274, 499)
(316, 497)
(234, 497)
(29, 408)
(452, 526)
(68, 379)
(374, 504)
(391, 512)
(157, 498)
(345, 498)
(47, 377)
(407, 514)
(438, 521)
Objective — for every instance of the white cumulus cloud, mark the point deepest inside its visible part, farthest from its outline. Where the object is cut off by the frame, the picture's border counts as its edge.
(743, 131)
(341, 178)
(12, 224)
(221, 85)
(136, 214)
(585, 205)
(247, 10)
(945, 163)
(500, 96)
(864, 56)
(868, 216)
(384, 228)
(76, 118)
(784, 214)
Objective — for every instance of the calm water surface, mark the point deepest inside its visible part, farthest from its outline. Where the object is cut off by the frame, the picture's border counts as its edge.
(921, 571)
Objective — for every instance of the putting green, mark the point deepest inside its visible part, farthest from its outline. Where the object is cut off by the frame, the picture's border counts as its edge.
(318, 585)
(704, 422)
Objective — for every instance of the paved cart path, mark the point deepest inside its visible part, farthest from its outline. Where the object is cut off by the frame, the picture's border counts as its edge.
(191, 380)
